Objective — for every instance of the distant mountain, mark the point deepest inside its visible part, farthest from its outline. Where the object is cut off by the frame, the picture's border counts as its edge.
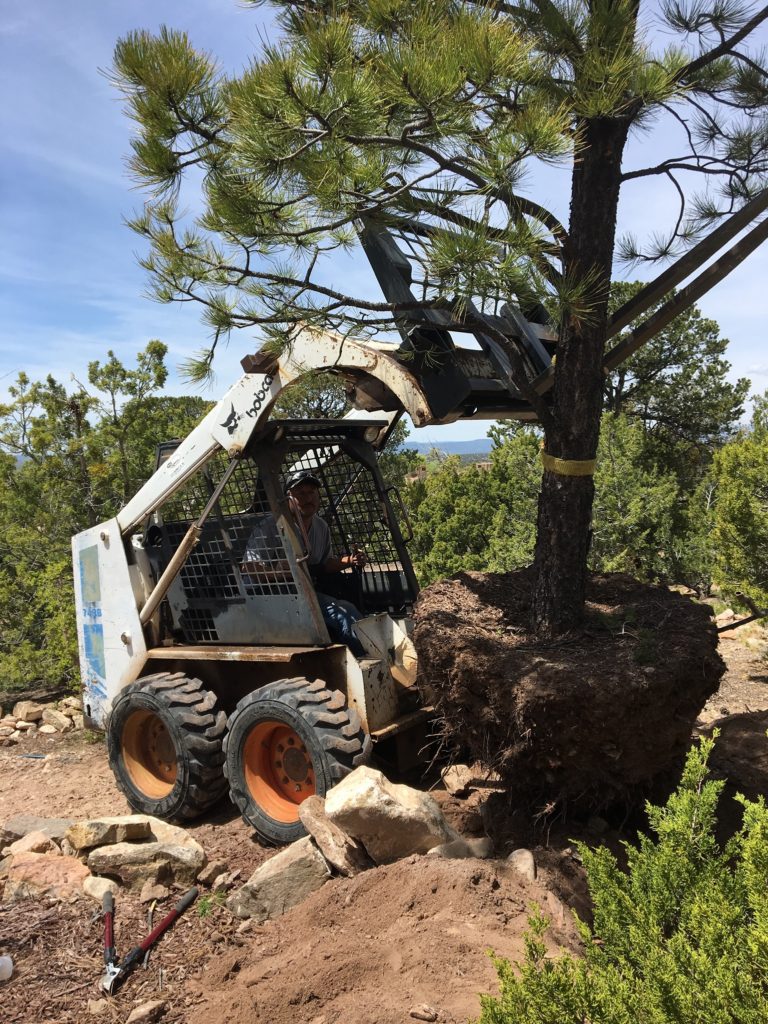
(480, 446)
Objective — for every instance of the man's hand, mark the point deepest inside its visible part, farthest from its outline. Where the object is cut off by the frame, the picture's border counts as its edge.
(356, 560)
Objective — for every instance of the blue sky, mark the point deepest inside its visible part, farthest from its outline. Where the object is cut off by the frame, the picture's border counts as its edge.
(70, 287)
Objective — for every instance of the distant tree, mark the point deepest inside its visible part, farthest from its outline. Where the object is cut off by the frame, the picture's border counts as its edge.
(634, 506)
(469, 518)
(740, 530)
(389, 108)
(68, 460)
(676, 386)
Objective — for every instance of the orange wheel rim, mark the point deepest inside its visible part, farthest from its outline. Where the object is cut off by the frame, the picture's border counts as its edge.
(278, 770)
(149, 754)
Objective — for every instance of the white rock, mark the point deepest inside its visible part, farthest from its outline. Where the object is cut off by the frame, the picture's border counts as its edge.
(96, 887)
(457, 849)
(281, 882)
(457, 778)
(48, 730)
(28, 711)
(390, 820)
(23, 726)
(59, 721)
(147, 1013)
(342, 852)
(523, 863)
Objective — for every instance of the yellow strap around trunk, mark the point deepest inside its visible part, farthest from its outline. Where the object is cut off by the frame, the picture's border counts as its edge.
(568, 467)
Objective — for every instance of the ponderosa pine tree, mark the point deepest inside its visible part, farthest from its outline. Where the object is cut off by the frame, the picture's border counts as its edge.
(377, 109)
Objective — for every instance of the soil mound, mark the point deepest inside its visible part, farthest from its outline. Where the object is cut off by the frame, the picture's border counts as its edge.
(369, 949)
(587, 719)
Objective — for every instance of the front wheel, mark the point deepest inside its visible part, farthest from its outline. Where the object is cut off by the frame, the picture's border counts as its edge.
(285, 742)
(164, 737)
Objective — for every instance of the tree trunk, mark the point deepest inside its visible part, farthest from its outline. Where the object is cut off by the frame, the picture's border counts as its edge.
(565, 501)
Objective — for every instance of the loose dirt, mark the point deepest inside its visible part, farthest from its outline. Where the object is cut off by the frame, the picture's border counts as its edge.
(366, 950)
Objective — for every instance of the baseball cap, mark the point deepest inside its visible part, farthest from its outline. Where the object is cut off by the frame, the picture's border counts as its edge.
(302, 477)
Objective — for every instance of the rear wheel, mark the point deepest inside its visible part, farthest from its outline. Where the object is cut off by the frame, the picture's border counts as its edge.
(164, 737)
(288, 741)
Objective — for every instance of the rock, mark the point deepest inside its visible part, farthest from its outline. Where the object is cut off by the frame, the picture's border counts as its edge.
(728, 615)
(523, 863)
(59, 721)
(27, 711)
(84, 835)
(68, 849)
(211, 871)
(459, 848)
(282, 882)
(7, 730)
(32, 875)
(390, 820)
(340, 850)
(225, 881)
(423, 1012)
(97, 1006)
(48, 730)
(23, 726)
(97, 887)
(150, 891)
(75, 703)
(457, 778)
(34, 842)
(23, 824)
(173, 858)
(5, 863)
(78, 721)
(556, 909)
(147, 1013)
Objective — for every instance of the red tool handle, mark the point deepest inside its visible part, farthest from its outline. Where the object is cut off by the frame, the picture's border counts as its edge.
(108, 911)
(138, 952)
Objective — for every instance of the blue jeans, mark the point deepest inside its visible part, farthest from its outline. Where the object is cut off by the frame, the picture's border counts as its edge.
(340, 617)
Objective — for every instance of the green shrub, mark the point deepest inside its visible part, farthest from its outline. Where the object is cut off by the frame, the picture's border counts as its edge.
(680, 937)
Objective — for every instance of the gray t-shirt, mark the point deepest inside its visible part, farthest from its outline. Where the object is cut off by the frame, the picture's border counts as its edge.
(266, 545)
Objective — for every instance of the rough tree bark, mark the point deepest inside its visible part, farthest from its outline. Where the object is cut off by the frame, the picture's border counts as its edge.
(565, 502)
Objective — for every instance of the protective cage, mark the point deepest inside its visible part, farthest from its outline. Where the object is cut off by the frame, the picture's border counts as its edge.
(214, 600)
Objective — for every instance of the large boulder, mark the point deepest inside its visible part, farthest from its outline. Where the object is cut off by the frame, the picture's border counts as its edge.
(390, 820)
(342, 852)
(590, 718)
(282, 882)
(84, 835)
(170, 856)
(33, 875)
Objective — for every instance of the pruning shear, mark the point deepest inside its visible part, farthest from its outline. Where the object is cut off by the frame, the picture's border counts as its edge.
(116, 970)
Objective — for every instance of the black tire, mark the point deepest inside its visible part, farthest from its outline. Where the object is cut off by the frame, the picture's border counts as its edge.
(298, 719)
(164, 737)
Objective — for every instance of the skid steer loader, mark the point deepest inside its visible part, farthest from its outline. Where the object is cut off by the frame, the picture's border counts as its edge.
(207, 677)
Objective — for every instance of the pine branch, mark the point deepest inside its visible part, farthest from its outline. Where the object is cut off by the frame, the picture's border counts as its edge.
(723, 49)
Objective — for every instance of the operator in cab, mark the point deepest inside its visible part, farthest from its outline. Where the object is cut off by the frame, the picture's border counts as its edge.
(340, 615)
